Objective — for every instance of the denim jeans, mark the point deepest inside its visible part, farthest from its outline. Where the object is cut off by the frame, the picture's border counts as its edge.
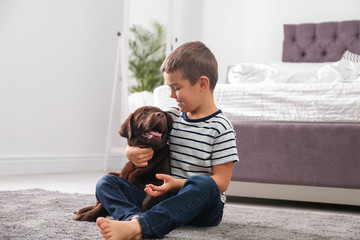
(198, 203)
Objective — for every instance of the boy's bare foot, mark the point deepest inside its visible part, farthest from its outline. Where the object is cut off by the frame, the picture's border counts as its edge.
(119, 230)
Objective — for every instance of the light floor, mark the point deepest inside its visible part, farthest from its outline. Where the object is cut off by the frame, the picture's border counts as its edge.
(84, 183)
(81, 182)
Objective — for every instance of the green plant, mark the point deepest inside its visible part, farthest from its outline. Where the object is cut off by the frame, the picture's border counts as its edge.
(147, 52)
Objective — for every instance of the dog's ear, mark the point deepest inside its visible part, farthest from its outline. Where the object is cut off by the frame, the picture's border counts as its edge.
(169, 120)
(125, 129)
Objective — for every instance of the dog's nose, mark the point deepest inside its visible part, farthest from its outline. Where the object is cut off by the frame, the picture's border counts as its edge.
(158, 114)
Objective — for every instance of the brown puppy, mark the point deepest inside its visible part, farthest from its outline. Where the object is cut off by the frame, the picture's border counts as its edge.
(147, 126)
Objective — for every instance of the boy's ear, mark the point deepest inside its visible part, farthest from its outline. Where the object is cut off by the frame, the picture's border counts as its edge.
(204, 83)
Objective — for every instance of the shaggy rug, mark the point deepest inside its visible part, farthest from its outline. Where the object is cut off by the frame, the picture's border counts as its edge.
(40, 214)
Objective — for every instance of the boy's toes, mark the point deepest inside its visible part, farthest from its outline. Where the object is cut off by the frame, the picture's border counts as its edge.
(100, 221)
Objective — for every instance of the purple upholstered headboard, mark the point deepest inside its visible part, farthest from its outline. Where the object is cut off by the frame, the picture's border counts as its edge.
(321, 42)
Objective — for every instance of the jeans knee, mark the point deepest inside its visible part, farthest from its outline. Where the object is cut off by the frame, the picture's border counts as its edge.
(202, 182)
(103, 182)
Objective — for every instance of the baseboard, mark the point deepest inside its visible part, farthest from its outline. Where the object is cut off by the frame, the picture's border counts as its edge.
(39, 164)
(329, 195)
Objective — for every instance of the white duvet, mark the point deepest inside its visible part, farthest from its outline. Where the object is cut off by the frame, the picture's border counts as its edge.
(340, 72)
(266, 101)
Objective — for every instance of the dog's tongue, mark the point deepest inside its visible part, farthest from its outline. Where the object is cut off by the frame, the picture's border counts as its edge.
(155, 134)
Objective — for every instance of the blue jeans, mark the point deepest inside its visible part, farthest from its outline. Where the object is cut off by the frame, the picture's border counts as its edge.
(198, 203)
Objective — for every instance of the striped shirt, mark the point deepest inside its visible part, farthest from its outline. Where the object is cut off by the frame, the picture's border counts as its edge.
(198, 145)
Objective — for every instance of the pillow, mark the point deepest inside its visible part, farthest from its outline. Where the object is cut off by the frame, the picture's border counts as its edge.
(250, 73)
(350, 56)
(298, 67)
(347, 70)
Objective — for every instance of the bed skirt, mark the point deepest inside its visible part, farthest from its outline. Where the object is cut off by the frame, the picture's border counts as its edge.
(308, 154)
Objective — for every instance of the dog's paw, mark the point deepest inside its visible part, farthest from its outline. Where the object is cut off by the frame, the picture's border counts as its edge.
(84, 210)
(85, 217)
(90, 214)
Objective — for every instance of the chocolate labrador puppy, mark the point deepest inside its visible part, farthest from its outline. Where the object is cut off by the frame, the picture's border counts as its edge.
(150, 127)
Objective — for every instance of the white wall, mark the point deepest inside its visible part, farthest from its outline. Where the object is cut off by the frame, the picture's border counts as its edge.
(187, 16)
(57, 61)
(252, 30)
(241, 30)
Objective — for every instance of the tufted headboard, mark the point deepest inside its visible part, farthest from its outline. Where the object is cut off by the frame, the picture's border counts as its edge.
(321, 42)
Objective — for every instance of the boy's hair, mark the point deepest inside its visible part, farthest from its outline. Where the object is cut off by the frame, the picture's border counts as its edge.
(193, 60)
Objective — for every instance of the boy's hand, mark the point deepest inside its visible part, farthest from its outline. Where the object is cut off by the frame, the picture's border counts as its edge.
(138, 155)
(170, 183)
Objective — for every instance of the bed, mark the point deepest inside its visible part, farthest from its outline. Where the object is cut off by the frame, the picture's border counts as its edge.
(298, 121)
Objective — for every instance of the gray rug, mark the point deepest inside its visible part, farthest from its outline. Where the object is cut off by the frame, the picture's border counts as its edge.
(40, 214)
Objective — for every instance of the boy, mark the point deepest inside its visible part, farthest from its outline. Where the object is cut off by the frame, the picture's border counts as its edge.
(202, 151)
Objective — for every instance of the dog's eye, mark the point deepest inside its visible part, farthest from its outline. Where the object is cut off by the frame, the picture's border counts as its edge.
(145, 113)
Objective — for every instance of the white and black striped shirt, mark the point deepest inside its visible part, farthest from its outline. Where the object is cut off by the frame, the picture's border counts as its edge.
(197, 145)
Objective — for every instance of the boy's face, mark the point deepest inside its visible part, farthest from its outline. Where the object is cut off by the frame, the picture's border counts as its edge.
(187, 96)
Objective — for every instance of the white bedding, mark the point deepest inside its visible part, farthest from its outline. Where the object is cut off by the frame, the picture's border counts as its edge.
(341, 72)
(310, 102)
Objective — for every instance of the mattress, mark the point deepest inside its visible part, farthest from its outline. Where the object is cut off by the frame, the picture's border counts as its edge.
(289, 102)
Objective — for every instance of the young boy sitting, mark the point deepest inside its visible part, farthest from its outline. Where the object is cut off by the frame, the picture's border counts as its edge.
(202, 151)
